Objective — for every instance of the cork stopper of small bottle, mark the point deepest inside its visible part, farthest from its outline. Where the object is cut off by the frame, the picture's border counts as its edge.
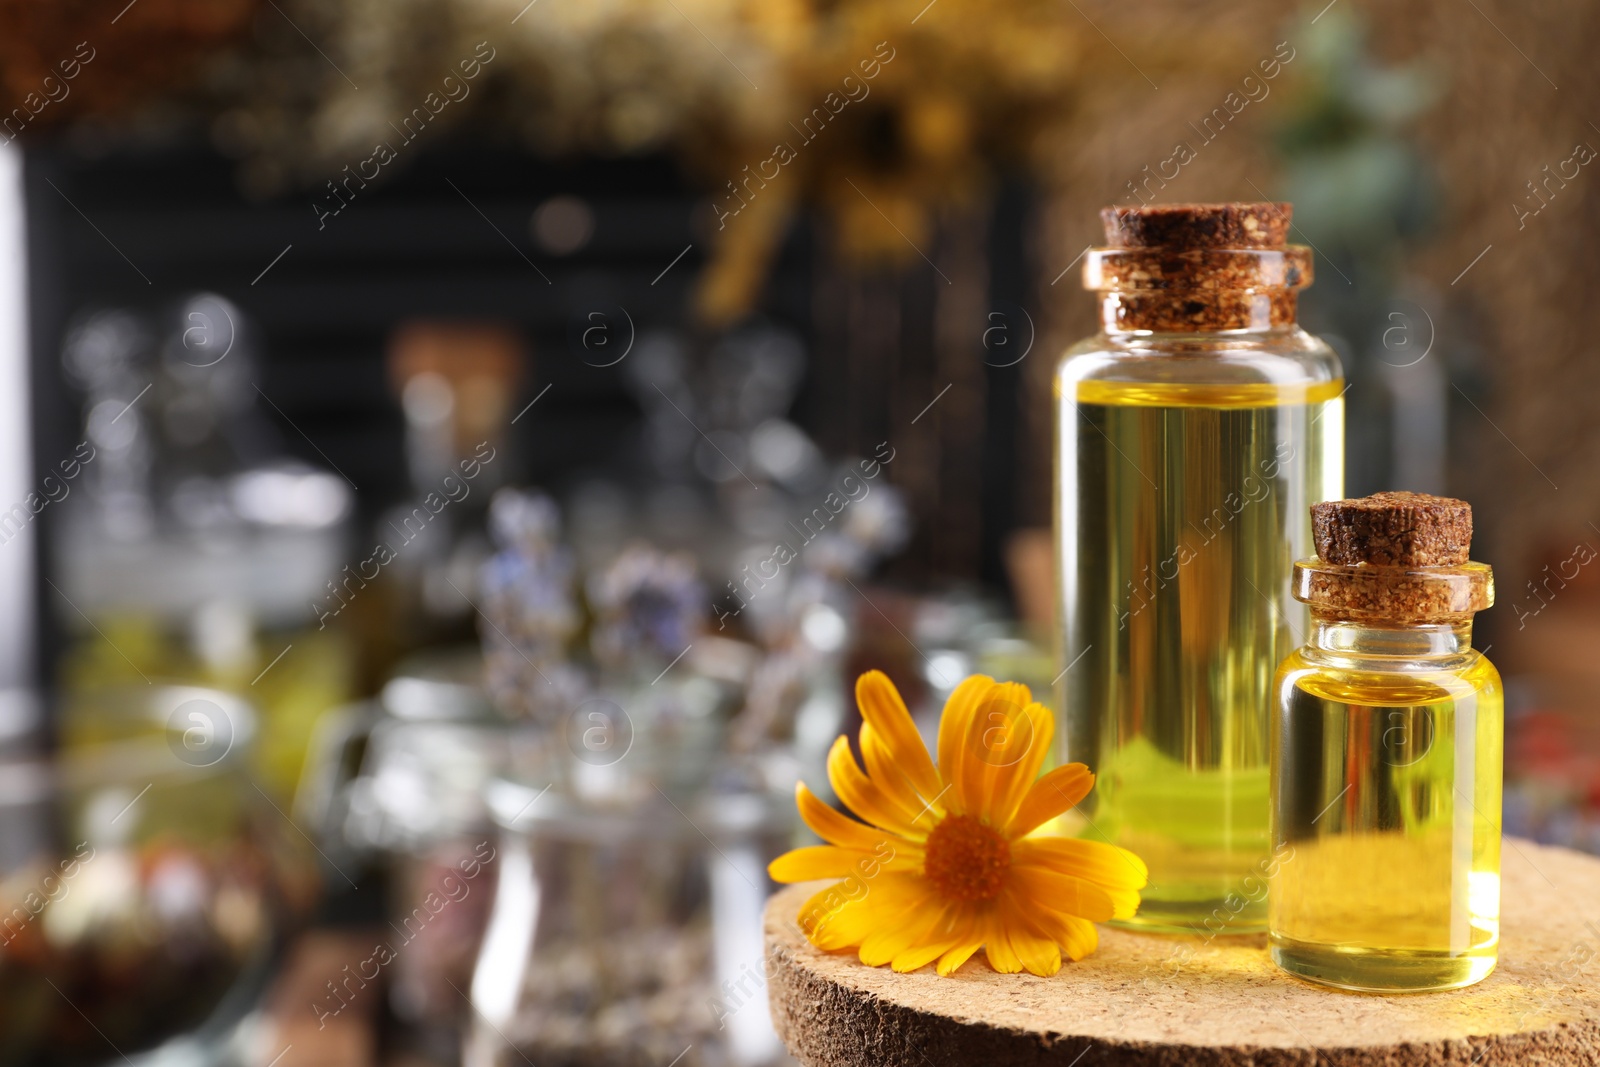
(1393, 530)
(1185, 268)
(1394, 556)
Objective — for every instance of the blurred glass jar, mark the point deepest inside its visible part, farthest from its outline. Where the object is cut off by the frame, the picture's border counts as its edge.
(399, 782)
(142, 881)
(628, 935)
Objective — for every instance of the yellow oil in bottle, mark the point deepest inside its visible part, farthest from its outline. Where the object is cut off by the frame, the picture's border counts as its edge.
(1387, 788)
(1181, 508)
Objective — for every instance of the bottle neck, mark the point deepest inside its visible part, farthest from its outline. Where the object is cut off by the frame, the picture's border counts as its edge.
(1196, 290)
(1413, 640)
(1196, 310)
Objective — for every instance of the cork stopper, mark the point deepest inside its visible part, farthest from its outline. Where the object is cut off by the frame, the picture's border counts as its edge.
(1393, 530)
(1184, 226)
(1401, 557)
(1185, 268)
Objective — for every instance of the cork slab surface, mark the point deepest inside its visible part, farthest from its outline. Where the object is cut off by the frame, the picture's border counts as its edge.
(1144, 1000)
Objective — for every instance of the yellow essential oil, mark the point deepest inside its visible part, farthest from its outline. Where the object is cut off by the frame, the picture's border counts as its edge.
(1181, 508)
(1192, 433)
(1386, 782)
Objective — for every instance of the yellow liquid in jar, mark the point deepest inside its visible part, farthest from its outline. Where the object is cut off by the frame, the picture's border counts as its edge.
(1180, 510)
(1387, 826)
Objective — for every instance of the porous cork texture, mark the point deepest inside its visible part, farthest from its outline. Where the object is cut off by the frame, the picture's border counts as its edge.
(1393, 530)
(1395, 594)
(1143, 1001)
(1398, 557)
(1198, 267)
(1184, 226)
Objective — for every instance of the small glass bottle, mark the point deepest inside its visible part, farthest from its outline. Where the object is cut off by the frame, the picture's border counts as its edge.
(1192, 433)
(1387, 744)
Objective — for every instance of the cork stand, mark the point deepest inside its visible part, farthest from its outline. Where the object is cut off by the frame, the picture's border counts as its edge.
(1148, 1001)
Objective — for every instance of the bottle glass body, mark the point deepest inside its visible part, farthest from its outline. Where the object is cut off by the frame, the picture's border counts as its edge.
(1186, 464)
(1386, 807)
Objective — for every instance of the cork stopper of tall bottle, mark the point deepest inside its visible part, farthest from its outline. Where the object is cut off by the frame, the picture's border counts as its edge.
(1183, 268)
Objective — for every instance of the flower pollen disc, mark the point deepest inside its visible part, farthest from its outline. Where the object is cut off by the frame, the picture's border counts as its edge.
(966, 860)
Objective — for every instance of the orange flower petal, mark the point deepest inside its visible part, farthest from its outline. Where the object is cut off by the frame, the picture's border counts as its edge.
(953, 726)
(827, 921)
(1083, 937)
(991, 734)
(951, 961)
(844, 914)
(1110, 866)
(953, 929)
(1023, 753)
(839, 829)
(884, 711)
(816, 862)
(862, 796)
(997, 946)
(913, 928)
(1047, 889)
(1057, 791)
(1037, 953)
(915, 958)
(1076, 937)
(883, 769)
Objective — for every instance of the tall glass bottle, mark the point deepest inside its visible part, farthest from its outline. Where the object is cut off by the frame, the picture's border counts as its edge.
(1192, 434)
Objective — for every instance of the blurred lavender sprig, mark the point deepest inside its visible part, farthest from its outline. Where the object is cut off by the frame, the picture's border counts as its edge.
(649, 607)
(530, 608)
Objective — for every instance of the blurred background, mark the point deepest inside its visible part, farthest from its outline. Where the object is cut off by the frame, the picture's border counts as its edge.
(456, 454)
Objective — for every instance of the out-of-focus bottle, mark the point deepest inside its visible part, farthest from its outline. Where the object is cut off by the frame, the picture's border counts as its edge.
(457, 383)
(186, 547)
(1192, 434)
(1387, 756)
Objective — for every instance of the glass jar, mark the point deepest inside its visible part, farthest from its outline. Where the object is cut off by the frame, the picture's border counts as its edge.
(396, 786)
(1192, 433)
(143, 880)
(1387, 782)
(627, 934)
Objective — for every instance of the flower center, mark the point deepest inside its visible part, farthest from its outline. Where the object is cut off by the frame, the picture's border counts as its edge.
(966, 859)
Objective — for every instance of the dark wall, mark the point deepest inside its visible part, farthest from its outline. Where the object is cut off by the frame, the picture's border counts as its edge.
(140, 229)
(446, 236)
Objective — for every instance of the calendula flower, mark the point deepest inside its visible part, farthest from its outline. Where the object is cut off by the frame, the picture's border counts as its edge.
(947, 860)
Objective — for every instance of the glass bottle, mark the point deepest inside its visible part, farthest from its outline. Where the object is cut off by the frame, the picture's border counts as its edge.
(1192, 434)
(1387, 756)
